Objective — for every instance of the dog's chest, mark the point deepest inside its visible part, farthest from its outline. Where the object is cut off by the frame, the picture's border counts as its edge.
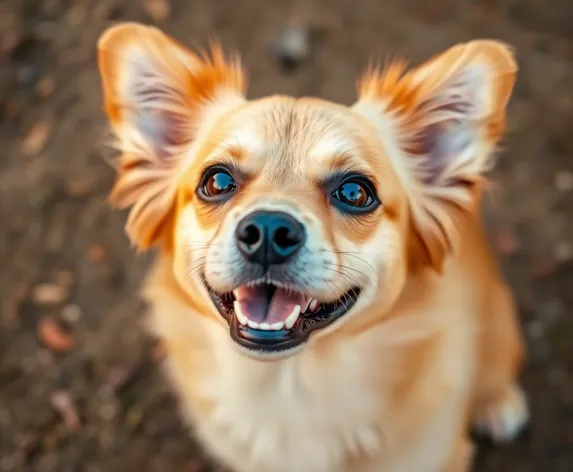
(288, 417)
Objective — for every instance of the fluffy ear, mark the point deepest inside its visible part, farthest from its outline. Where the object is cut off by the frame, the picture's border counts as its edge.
(158, 96)
(439, 124)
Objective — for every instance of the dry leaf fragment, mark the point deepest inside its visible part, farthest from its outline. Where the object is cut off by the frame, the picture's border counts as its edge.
(49, 294)
(36, 138)
(64, 404)
(54, 335)
(97, 253)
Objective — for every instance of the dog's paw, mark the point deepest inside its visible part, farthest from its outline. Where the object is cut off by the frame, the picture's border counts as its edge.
(504, 419)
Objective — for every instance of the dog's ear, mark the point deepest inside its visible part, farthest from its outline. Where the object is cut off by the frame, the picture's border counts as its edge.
(159, 97)
(439, 124)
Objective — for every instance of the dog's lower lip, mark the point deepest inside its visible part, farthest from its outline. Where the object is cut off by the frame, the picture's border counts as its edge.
(273, 341)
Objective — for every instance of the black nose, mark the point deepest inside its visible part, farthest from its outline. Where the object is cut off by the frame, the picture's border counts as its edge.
(269, 237)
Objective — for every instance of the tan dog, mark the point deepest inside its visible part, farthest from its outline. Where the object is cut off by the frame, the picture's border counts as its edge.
(324, 288)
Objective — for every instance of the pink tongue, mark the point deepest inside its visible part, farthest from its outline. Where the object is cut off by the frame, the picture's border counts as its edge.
(256, 306)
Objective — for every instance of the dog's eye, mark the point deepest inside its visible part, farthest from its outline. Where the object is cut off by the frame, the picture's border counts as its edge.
(355, 196)
(217, 185)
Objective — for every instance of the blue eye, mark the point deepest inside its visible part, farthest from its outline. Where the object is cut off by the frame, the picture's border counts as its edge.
(355, 195)
(217, 185)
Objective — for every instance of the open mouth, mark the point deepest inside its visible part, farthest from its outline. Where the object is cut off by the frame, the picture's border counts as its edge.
(265, 317)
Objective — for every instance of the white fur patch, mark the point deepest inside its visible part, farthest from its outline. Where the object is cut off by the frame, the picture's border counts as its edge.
(330, 146)
(504, 420)
(246, 139)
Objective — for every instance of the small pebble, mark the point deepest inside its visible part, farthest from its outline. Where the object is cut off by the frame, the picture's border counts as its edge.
(292, 47)
(27, 75)
(45, 87)
(158, 10)
(108, 412)
(71, 313)
(79, 187)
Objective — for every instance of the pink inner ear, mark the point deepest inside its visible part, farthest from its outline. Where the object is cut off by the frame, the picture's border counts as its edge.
(447, 134)
(157, 105)
(163, 130)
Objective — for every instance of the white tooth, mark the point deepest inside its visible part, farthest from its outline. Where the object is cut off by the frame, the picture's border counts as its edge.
(265, 326)
(240, 315)
(277, 326)
(307, 304)
(291, 319)
(314, 305)
(253, 324)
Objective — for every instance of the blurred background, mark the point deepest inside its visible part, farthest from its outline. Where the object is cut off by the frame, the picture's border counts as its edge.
(81, 387)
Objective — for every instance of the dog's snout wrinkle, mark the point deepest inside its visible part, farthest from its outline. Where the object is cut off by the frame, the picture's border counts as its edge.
(269, 237)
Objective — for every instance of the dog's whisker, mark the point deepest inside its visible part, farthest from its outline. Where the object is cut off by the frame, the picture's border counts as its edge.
(342, 268)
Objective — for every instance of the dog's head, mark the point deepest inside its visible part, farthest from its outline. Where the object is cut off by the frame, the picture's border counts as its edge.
(293, 216)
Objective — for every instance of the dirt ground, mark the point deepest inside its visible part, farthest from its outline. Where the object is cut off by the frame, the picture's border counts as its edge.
(72, 332)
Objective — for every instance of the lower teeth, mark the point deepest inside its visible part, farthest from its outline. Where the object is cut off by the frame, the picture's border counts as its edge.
(314, 305)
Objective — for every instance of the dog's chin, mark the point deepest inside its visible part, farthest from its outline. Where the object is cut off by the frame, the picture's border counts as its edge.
(270, 320)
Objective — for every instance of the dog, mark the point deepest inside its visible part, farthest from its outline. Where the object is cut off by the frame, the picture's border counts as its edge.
(323, 284)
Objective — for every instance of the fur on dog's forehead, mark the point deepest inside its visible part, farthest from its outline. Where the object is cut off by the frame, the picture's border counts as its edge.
(288, 139)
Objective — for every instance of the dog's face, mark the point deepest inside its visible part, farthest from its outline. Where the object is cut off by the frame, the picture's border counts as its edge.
(291, 220)
(294, 218)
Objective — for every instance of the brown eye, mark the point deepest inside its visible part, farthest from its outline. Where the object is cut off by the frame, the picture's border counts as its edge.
(217, 185)
(353, 194)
